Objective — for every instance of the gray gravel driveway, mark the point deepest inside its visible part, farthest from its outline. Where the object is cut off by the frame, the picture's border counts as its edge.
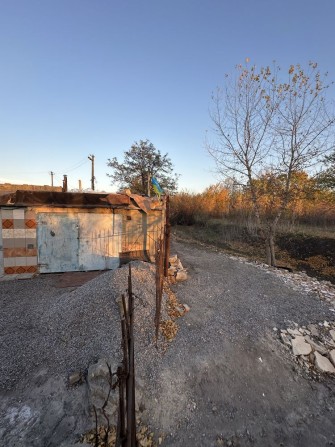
(228, 379)
(224, 380)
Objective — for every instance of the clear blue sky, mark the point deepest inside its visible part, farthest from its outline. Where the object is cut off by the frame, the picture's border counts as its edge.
(92, 76)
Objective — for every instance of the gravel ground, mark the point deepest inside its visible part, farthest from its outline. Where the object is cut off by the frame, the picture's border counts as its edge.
(48, 333)
(239, 385)
(225, 380)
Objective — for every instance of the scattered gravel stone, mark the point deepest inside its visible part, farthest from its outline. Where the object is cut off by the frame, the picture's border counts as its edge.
(75, 378)
(186, 307)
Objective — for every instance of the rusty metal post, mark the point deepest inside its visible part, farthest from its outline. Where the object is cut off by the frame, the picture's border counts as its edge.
(121, 430)
(167, 236)
(159, 258)
(131, 419)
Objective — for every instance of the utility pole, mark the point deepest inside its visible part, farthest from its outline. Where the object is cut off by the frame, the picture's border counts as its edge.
(91, 157)
(52, 178)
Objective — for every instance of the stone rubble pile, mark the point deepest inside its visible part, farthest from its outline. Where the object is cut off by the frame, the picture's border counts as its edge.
(176, 270)
(312, 345)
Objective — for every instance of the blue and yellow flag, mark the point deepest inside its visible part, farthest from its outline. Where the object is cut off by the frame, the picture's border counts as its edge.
(156, 186)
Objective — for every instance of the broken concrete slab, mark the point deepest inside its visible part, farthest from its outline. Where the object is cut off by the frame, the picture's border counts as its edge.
(300, 347)
(294, 332)
(332, 334)
(286, 339)
(316, 346)
(323, 364)
(313, 329)
(332, 356)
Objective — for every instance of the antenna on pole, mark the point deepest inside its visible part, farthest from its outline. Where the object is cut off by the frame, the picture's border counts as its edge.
(52, 178)
(91, 157)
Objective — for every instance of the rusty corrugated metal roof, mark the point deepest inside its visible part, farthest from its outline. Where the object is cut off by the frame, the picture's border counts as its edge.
(78, 199)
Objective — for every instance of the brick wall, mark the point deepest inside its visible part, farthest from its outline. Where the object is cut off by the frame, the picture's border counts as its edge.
(12, 187)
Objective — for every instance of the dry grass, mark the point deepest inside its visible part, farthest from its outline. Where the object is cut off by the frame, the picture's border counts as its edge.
(303, 248)
(222, 218)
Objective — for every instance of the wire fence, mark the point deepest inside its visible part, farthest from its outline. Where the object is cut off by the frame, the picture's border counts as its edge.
(155, 243)
(126, 429)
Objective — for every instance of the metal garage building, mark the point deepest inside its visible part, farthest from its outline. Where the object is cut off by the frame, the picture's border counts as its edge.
(47, 231)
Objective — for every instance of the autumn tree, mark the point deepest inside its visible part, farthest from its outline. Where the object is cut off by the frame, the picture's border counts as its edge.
(270, 188)
(142, 162)
(326, 179)
(266, 121)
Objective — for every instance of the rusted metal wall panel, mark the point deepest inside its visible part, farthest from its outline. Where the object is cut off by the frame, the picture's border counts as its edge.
(140, 232)
(100, 241)
(58, 242)
(78, 242)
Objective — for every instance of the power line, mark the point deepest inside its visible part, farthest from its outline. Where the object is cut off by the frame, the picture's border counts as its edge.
(71, 168)
(76, 165)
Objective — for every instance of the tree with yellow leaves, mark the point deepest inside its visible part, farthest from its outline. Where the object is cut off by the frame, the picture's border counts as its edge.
(273, 123)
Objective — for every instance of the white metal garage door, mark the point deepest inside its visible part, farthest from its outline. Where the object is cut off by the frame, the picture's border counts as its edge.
(78, 242)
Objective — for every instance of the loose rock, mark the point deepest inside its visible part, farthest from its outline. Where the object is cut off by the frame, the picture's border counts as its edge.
(294, 332)
(99, 381)
(316, 346)
(332, 334)
(332, 356)
(186, 307)
(75, 378)
(176, 270)
(323, 364)
(286, 339)
(313, 329)
(300, 347)
(181, 275)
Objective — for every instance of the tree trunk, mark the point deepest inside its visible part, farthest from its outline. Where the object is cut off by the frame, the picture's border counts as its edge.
(270, 248)
(268, 251)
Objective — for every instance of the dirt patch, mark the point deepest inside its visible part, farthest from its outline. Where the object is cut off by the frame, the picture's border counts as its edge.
(315, 255)
(73, 279)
